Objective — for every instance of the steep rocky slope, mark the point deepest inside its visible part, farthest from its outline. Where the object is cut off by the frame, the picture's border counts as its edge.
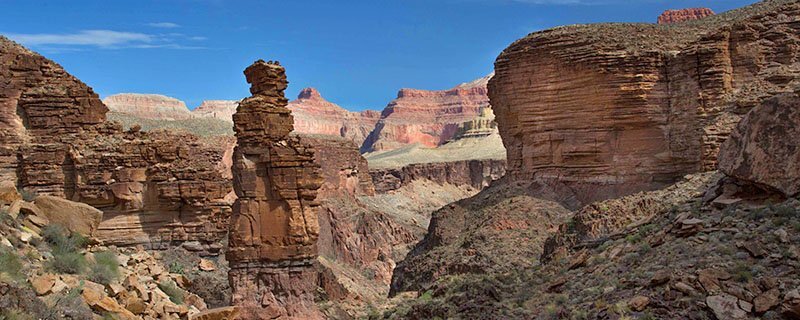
(315, 115)
(430, 118)
(616, 108)
(594, 112)
(148, 106)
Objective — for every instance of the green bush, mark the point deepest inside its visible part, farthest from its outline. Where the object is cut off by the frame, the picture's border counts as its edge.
(14, 314)
(171, 289)
(10, 264)
(66, 249)
(106, 267)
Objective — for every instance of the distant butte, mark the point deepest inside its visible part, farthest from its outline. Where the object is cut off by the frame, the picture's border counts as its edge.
(675, 16)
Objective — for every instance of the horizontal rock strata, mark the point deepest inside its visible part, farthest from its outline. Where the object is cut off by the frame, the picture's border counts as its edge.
(477, 174)
(148, 106)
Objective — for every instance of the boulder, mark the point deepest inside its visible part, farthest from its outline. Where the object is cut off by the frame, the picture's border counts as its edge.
(725, 307)
(224, 313)
(763, 149)
(75, 216)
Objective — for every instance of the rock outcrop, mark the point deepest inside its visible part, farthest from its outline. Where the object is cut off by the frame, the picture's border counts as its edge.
(55, 141)
(681, 15)
(613, 109)
(218, 109)
(148, 106)
(477, 174)
(430, 118)
(763, 148)
(274, 228)
(315, 115)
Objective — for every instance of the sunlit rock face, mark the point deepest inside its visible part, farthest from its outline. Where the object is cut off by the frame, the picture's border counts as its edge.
(148, 106)
(274, 228)
(218, 109)
(430, 118)
(681, 15)
(315, 115)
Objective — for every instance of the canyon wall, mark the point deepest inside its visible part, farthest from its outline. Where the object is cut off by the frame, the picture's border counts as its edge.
(681, 15)
(612, 109)
(477, 174)
(56, 141)
(148, 106)
(274, 228)
(430, 118)
(315, 115)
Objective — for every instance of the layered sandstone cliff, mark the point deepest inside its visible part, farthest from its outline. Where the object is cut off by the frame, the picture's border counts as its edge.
(55, 141)
(217, 109)
(274, 228)
(477, 174)
(315, 115)
(681, 15)
(429, 118)
(617, 108)
(148, 106)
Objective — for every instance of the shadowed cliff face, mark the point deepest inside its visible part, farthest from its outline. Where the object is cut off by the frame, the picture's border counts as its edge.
(615, 109)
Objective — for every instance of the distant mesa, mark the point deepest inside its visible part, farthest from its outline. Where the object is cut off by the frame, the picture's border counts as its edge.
(148, 106)
(675, 16)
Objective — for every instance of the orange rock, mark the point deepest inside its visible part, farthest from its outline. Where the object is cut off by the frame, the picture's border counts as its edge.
(223, 313)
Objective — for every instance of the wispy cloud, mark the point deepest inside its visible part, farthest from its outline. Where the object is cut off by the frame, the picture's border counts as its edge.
(104, 39)
(99, 38)
(164, 25)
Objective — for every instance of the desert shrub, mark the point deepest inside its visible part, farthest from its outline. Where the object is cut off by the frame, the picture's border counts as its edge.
(66, 249)
(175, 294)
(28, 195)
(71, 306)
(742, 272)
(15, 314)
(105, 269)
(213, 288)
(10, 264)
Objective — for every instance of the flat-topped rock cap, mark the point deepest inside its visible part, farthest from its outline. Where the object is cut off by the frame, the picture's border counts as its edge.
(266, 78)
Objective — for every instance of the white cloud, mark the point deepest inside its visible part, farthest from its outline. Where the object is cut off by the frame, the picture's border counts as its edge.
(104, 39)
(163, 25)
(99, 38)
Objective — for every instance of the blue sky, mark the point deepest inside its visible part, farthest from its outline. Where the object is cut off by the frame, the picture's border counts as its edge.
(357, 53)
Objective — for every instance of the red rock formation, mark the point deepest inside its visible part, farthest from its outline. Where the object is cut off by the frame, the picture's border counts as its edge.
(219, 109)
(675, 16)
(148, 106)
(764, 148)
(344, 169)
(315, 115)
(55, 142)
(477, 174)
(618, 108)
(427, 117)
(274, 226)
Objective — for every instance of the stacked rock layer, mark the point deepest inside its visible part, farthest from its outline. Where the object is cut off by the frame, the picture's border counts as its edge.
(274, 228)
(613, 109)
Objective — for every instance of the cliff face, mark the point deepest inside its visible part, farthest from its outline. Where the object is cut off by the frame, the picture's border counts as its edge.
(274, 228)
(55, 142)
(675, 16)
(614, 109)
(218, 109)
(430, 118)
(148, 106)
(315, 115)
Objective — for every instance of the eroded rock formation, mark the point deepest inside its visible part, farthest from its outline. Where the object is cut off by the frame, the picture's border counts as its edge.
(55, 141)
(681, 15)
(148, 106)
(274, 228)
(613, 109)
(764, 148)
(430, 118)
